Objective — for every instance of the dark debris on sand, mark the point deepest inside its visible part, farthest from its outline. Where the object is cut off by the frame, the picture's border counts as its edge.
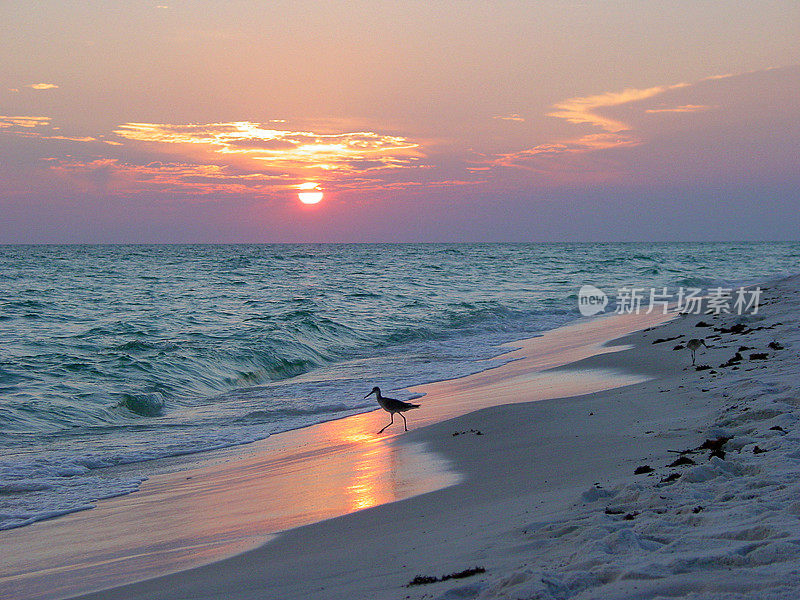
(739, 328)
(716, 447)
(733, 360)
(475, 431)
(426, 579)
(670, 478)
(715, 444)
(669, 339)
(680, 461)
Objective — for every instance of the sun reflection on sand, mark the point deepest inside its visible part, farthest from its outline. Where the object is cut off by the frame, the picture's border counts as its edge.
(371, 478)
(365, 490)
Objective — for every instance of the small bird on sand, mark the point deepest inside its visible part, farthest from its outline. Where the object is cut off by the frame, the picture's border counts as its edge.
(694, 345)
(392, 406)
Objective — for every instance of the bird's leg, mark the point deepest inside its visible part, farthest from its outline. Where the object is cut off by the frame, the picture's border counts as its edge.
(405, 424)
(390, 422)
(692, 357)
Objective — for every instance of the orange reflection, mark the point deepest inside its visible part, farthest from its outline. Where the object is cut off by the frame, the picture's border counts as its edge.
(371, 478)
(365, 490)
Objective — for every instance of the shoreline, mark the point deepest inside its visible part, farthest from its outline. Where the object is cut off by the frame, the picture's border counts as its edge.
(385, 471)
(552, 505)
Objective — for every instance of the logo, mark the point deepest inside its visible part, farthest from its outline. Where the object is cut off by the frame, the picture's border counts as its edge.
(686, 301)
(591, 300)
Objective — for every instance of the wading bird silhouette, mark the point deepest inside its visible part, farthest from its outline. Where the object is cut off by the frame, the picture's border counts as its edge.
(694, 345)
(392, 406)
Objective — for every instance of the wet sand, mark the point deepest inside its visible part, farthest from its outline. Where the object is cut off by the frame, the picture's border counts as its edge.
(235, 500)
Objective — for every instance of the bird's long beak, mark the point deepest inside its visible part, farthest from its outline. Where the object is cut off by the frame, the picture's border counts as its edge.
(370, 394)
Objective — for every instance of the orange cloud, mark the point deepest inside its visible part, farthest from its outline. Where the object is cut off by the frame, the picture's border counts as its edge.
(113, 175)
(42, 86)
(345, 152)
(224, 158)
(587, 143)
(27, 122)
(512, 117)
(37, 127)
(69, 138)
(428, 184)
(582, 109)
(42, 136)
(686, 108)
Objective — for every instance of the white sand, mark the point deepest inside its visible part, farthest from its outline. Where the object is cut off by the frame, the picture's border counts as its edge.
(531, 509)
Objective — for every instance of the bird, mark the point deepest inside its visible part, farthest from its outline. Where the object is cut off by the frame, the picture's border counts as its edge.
(694, 344)
(392, 406)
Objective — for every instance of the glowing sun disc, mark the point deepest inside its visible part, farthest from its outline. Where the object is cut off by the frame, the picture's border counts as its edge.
(310, 197)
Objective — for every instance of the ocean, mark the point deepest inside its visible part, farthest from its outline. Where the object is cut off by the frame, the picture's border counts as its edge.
(118, 354)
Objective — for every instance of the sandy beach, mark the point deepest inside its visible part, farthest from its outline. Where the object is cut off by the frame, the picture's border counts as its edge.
(547, 501)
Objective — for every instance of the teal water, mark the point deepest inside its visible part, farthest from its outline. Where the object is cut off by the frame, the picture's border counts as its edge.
(118, 354)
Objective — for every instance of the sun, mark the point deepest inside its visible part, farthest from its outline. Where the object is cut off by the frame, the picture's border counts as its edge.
(312, 196)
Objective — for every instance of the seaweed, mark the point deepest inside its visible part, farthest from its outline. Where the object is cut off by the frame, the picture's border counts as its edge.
(426, 579)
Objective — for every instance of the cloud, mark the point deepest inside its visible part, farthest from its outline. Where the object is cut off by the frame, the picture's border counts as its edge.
(42, 86)
(115, 176)
(587, 143)
(686, 108)
(261, 144)
(281, 148)
(512, 117)
(585, 110)
(582, 109)
(36, 127)
(69, 138)
(238, 157)
(429, 184)
(26, 122)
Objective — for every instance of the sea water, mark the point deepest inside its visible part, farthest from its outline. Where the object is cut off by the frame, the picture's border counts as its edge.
(112, 355)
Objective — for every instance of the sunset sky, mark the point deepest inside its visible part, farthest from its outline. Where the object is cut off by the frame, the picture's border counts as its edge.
(417, 121)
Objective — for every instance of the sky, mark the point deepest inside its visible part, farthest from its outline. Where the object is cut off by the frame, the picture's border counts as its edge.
(448, 121)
